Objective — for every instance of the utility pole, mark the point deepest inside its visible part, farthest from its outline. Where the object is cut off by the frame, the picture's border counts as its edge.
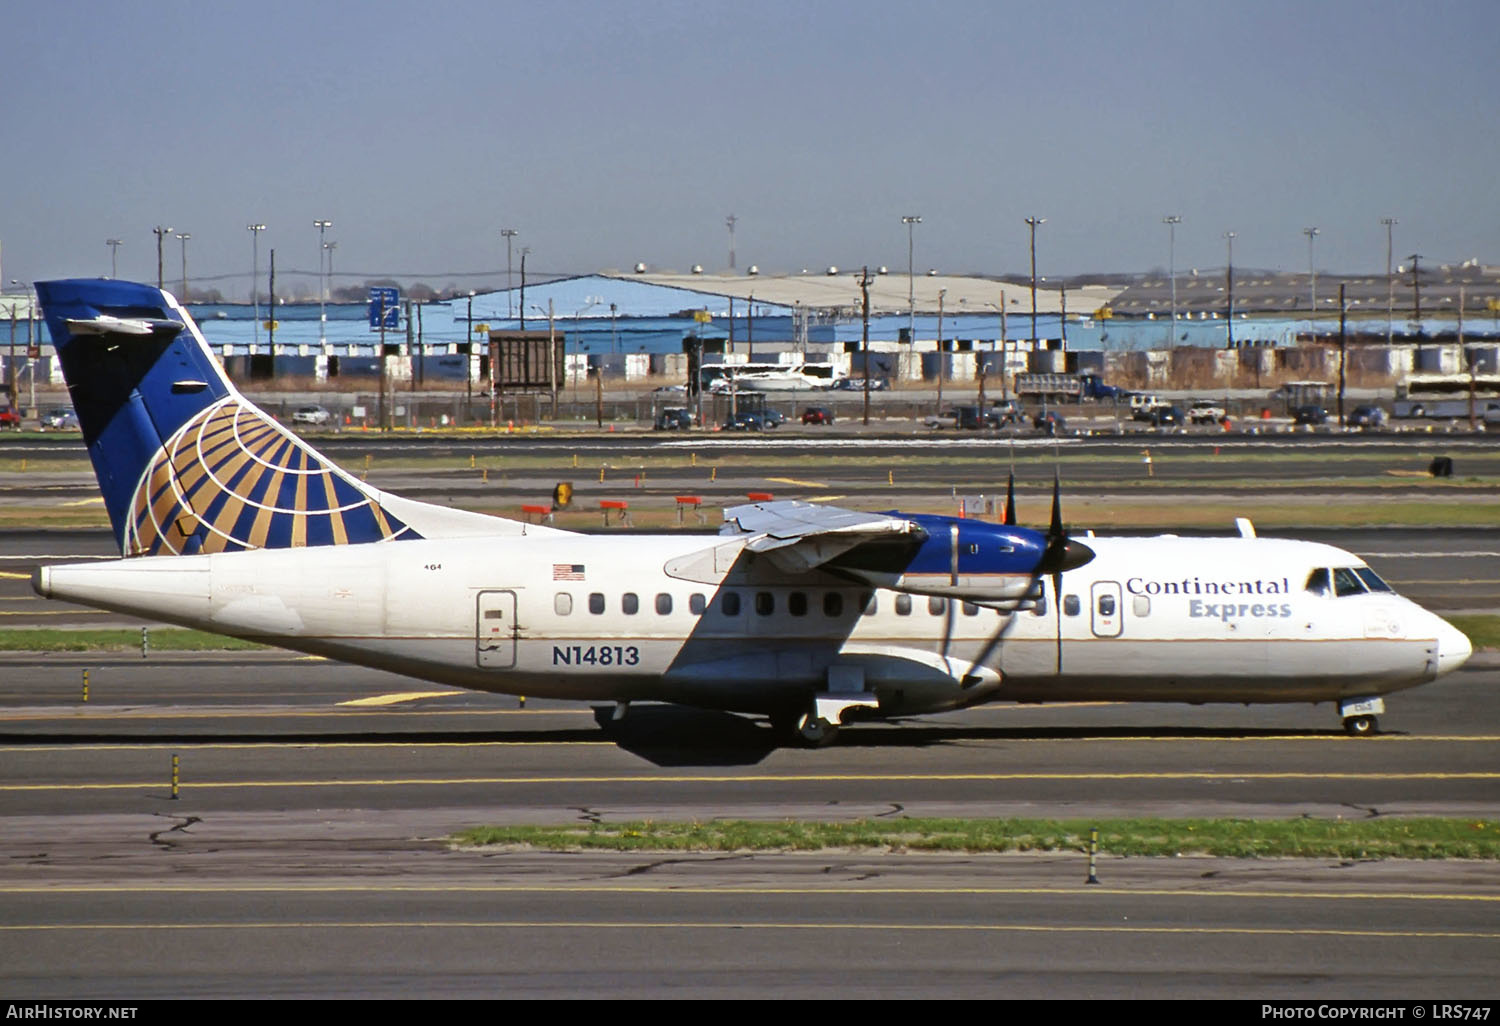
(323, 225)
(1172, 221)
(183, 238)
(524, 251)
(1312, 277)
(1343, 348)
(160, 234)
(1416, 291)
(1032, 222)
(942, 357)
(911, 221)
(864, 292)
(255, 230)
(1390, 281)
(507, 234)
(1229, 286)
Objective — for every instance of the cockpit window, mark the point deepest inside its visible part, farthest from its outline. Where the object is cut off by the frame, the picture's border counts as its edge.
(1372, 579)
(1347, 582)
(1317, 581)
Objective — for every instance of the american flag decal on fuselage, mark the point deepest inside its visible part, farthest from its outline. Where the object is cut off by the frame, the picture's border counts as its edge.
(567, 571)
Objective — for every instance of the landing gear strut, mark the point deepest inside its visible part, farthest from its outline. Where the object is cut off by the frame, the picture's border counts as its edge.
(1359, 716)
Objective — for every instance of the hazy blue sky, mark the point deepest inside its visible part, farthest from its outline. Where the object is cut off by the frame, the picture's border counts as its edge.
(615, 132)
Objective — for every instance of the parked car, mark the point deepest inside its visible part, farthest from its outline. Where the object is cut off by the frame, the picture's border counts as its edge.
(772, 418)
(1143, 403)
(311, 415)
(1004, 412)
(817, 415)
(946, 419)
(1205, 411)
(60, 418)
(747, 422)
(675, 418)
(1168, 416)
(1050, 422)
(1310, 415)
(9, 418)
(1367, 417)
(858, 384)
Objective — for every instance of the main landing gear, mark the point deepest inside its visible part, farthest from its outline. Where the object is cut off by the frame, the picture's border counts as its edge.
(1359, 716)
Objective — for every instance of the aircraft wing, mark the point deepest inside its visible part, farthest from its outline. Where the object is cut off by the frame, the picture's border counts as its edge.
(798, 536)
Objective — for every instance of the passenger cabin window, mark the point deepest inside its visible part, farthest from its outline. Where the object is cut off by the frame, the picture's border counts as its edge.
(562, 603)
(1140, 605)
(1106, 605)
(970, 609)
(596, 603)
(1317, 581)
(1071, 605)
(630, 603)
(1347, 582)
(796, 603)
(833, 604)
(903, 605)
(1372, 579)
(663, 604)
(871, 607)
(1040, 609)
(937, 606)
(697, 603)
(765, 603)
(730, 603)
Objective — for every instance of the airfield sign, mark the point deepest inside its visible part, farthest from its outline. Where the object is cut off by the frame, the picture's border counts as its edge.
(385, 308)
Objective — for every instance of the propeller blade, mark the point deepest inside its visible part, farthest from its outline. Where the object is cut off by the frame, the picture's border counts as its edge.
(1010, 500)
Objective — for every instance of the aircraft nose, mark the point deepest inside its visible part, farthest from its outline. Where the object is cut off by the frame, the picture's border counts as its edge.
(1454, 648)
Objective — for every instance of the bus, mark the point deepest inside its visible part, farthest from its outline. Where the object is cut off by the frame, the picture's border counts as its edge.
(1449, 397)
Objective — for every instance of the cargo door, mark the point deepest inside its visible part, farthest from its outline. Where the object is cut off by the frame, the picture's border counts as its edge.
(496, 630)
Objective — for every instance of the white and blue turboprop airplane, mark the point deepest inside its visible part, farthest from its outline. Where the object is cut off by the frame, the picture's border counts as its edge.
(811, 614)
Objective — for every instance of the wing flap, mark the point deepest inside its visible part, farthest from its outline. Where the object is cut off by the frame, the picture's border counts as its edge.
(798, 536)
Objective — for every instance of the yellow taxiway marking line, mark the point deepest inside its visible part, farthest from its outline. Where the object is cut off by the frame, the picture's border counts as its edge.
(57, 612)
(730, 889)
(824, 498)
(86, 502)
(403, 696)
(8, 575)
(795, 481)
(425, 924)
(792, 778)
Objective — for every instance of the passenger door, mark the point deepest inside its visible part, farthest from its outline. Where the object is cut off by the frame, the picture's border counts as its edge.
(495, 630)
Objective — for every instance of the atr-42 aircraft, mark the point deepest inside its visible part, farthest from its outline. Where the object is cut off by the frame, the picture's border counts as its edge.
(811, 614)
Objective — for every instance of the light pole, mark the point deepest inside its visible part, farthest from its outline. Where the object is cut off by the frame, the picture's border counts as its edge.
(329, 247)
(1229, 284)
(1390, 282)
(1032, 222)
(1172, 221)
(255, 230)
(160, 233)
(322, 225)
(729, 223)
(469, 360)
(183, 238)
(1416, 290)
(114, 247)
(507, 234)
(1312, 278)
(911, 221)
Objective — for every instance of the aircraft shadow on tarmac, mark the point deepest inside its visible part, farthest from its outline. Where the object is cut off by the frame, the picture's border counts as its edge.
(678, 736)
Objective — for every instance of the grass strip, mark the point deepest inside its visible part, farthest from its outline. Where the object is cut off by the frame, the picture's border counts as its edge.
(1483, 630)
(1383, 838)
(170, 639)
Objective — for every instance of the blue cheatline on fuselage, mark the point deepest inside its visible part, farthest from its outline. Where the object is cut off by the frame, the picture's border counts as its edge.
(185, 463)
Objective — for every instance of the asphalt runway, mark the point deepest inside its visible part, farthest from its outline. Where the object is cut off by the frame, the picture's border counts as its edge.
(304, 855)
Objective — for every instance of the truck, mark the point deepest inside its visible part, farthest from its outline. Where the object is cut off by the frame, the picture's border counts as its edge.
(1066, 388)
